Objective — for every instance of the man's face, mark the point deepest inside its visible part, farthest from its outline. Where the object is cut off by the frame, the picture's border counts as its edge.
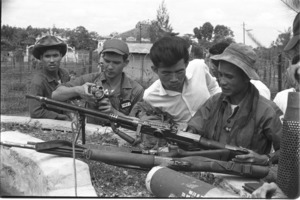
(172, 77)
(231, 79)
(51, 59)
(113, 64)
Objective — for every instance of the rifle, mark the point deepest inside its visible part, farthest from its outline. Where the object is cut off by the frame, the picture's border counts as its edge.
(143, 162)
(170, 132)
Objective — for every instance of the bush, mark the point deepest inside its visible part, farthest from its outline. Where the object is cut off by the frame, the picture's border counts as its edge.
(17, 86)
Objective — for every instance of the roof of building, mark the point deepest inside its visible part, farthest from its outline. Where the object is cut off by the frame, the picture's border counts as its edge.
(142, 48)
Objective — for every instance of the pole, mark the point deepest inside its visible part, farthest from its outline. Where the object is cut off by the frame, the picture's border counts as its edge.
(90, 60)
(279, 72)
(140, 32)
(244, 32)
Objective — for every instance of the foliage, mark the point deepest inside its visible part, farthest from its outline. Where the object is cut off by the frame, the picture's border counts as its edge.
(283, 39)
(161, 26)
(81, 38)
(222, 32)
(208, 35)
(14, 37)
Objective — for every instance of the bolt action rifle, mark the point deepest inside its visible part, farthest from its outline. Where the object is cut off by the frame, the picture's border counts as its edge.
(120, 157)
(171, 132)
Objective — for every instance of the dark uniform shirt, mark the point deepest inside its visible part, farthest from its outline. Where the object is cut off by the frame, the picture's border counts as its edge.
(260, 132)
(43, 85)
(122, 99)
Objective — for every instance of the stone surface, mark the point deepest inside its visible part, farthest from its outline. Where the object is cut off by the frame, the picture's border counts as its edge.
(65, 125)
(39, 174)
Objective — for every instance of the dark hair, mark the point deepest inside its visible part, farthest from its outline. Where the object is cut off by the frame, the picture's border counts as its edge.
(125, 56)
(295, 59)
(218, 48)
(169, 50)
(198, 51)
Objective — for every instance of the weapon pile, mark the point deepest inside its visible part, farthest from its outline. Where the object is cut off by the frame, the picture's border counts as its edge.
(213, 156)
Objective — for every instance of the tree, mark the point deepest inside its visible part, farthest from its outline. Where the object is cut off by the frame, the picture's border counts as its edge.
(208, 35)
(207, 31)
(161, 26)
(163, 18)
(221, 32)
(80, 38)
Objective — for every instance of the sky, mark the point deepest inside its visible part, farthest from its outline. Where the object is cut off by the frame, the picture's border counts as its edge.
(265, 19)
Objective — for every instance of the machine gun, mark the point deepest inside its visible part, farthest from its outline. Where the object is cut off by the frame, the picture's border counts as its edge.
(170, 132)
(118, 157)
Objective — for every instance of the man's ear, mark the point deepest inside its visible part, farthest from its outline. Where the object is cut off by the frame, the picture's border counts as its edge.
(126, 62)
(154, 69)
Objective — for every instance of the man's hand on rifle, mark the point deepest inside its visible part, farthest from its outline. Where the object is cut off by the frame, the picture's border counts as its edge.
(252, 157)
(105, 106)
(84, 93)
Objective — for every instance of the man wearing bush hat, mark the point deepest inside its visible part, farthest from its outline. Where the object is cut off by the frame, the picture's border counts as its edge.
(238, 115)
(123, 92)
(49, 50)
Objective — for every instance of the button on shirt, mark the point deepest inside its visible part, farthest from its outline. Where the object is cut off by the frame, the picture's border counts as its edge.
(43, 85)
(198, 86)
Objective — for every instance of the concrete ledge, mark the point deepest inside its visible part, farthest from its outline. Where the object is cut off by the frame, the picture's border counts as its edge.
(37, 174)
(90, 129)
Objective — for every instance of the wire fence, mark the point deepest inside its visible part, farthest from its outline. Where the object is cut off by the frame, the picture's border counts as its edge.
(16, 76)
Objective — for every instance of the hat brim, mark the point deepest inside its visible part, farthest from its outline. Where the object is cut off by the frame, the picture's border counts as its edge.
(295, 39)
(243, 66)
(114, 50)
(39, 49)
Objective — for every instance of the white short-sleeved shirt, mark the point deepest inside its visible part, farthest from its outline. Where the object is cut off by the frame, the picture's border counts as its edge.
(198, 86)
(262, 89)
(281, 99)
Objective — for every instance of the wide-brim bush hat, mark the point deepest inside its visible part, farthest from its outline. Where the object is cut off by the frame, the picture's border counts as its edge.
(49, 42)
(242, 56)
(296, 34)
(116, 46)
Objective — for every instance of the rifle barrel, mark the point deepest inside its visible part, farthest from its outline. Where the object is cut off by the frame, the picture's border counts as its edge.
(86, 111)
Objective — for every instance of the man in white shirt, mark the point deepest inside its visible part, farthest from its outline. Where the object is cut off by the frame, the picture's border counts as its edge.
(182, 87)
(281, 97)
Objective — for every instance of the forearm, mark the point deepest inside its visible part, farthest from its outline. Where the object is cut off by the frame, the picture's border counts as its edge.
(63, 93)
(36, 110)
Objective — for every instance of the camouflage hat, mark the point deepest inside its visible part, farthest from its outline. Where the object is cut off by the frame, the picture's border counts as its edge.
(49, 42)
(242, 56)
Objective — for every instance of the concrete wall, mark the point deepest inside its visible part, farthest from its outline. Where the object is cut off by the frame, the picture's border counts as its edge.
(31, 173)
(139, 69)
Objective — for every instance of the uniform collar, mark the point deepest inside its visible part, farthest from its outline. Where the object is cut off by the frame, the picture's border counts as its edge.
(61, 74)
(126, 82)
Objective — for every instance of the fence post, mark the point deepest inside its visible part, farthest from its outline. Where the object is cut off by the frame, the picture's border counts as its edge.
(279, 72)
(90, 60)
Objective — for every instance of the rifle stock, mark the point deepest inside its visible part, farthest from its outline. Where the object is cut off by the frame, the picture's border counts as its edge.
(146, 162)
(170, 132)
